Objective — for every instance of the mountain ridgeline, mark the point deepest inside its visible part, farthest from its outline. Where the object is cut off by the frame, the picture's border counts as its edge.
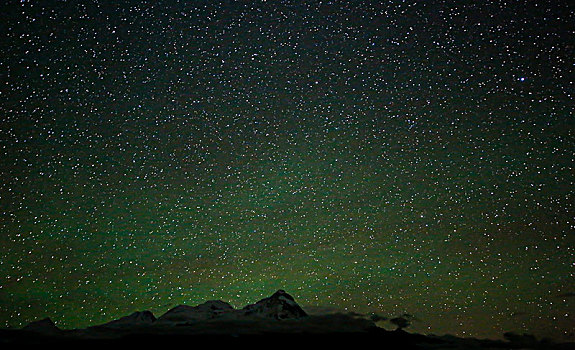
(279, 306)
(278, 317)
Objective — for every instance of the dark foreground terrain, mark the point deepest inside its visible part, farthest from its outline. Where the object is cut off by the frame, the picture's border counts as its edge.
(377, 338)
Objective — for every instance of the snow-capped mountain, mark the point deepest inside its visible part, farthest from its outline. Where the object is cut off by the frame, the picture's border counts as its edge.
(203, 312)
(279, 306)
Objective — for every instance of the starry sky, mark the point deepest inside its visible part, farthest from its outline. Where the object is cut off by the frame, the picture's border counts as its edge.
(370, 156)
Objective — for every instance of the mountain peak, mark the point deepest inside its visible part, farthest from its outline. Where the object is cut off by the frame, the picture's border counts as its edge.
(138, 318)
(208, 310)
(280, 306)
(281, 292)
(45, 325)
(215, 305)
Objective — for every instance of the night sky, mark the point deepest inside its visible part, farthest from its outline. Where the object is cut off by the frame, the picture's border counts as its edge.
(380, 157)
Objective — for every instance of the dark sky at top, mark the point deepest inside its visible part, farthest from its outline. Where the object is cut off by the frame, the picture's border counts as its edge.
(369, 156)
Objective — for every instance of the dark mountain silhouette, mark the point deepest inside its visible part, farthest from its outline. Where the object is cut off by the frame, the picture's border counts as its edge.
(272, 319)
(138, 318)
(182, 314)
(43, 326)
(279, 306)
